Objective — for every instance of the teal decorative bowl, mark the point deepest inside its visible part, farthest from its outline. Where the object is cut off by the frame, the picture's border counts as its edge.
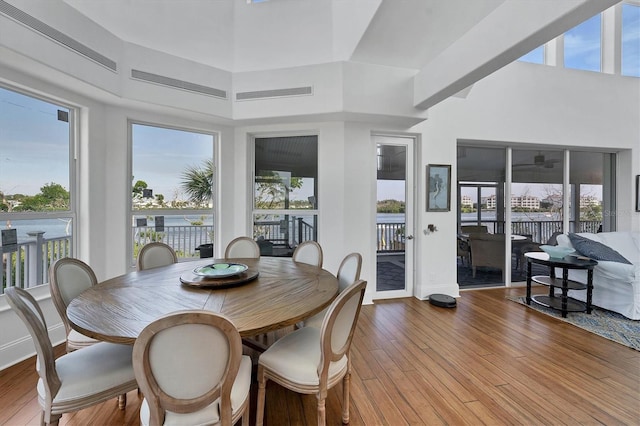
(557, 252)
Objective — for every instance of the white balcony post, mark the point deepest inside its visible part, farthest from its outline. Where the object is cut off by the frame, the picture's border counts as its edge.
(35, 262)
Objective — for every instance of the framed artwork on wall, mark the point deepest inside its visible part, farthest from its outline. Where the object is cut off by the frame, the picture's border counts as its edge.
(438, 187)
(638, 193)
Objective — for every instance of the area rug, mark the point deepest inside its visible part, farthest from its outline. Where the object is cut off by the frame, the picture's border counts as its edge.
(607, 324)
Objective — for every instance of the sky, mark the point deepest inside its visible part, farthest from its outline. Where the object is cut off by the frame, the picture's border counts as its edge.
(582, 44)
(33, 144)
(160, 156)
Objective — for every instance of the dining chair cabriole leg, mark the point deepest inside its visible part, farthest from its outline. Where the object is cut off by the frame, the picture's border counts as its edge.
(122, 401)
(261, 396)
(321, 410)
(346, 386)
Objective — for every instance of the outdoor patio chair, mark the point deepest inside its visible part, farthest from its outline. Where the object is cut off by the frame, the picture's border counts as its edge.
(470, 229)
(154, 255)
(76, 380)
(191, 370)
(312, 360)
(464, 252)
(487, 250)
(242, 247)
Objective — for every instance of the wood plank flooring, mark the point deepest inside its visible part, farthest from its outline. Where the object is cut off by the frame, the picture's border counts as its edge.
(488, 361)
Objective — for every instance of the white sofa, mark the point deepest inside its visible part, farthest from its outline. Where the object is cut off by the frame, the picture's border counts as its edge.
(616, 286)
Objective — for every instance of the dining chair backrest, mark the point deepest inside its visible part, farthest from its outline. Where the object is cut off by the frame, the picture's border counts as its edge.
(28, 310)
(76, 380)
(242, 247)
(338, 327)
(184, 362)
(154, 255)
(311, 360)
(68, 277)
(349, 270)
(348, 273)
(309, 252)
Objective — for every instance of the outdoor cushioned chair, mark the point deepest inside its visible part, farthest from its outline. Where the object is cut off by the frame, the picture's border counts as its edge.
(154, 255)
(487, 250)
(312, 360)
(191, 370)
(68, 278)
(78, 379)
(464, 252)
(470, 229)
(348, 273)
(308, 252)
(242, 247)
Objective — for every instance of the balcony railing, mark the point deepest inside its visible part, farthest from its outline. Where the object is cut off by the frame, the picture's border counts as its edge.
(26, 264)
(539, 230)
(183, 238)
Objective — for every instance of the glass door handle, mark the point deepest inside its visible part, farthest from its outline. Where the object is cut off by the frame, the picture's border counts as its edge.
(409, 237)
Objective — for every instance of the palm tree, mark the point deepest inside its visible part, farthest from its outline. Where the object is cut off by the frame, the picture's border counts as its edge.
(197, 182)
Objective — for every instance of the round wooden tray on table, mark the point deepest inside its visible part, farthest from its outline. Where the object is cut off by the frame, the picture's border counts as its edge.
(192, 278)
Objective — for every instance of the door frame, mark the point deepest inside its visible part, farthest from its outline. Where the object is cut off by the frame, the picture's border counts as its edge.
(410, 142)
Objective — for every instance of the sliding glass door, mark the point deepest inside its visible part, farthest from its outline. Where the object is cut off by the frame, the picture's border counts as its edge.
(546, 198)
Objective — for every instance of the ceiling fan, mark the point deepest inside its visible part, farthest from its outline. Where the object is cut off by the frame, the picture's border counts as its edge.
(539, 161)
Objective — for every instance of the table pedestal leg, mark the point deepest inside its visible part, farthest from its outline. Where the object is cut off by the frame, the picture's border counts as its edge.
(528, 299)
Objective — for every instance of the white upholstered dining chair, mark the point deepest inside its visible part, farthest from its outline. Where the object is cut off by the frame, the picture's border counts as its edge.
(348, 273)
(154, 255)
(312, 360)
(309, 252)
(78, 379)
(242, 247)
(190, 368)
(68, 277)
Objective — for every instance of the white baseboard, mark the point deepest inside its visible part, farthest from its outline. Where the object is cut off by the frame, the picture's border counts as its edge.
(18, 350)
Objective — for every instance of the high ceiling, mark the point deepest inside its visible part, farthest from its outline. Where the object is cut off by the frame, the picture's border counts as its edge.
(236, 36)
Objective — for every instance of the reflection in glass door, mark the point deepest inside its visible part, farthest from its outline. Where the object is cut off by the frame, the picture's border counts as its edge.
(547, 198)
(481, 215)
(394, 220)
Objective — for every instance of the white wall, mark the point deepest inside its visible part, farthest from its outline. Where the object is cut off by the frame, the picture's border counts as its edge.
(528, 103)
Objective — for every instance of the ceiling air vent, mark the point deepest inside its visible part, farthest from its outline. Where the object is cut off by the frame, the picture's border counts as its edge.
(275, 93)
(55, 35)
(178, 84)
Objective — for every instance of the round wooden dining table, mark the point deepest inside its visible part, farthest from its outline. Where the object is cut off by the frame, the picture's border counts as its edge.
(283, 294)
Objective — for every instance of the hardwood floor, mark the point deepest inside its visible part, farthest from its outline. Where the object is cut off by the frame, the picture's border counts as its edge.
(488, 361)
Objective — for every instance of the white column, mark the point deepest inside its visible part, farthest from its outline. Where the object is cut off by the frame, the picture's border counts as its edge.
(612, 40)
(507, 218)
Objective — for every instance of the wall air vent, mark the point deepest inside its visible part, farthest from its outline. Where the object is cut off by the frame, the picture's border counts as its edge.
(178, 84)
(55, 35)
(275, 93)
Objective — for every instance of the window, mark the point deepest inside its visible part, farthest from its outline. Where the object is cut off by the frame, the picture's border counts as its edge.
(172, 183)
(631, 40)
(35, 186)
(536, 56)
(592, 180)
(583, 45)
(285, 193)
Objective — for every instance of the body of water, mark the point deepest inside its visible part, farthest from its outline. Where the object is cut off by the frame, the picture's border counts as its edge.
(63, 227)
(486, 215)
(515, 216)
(54, 228)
